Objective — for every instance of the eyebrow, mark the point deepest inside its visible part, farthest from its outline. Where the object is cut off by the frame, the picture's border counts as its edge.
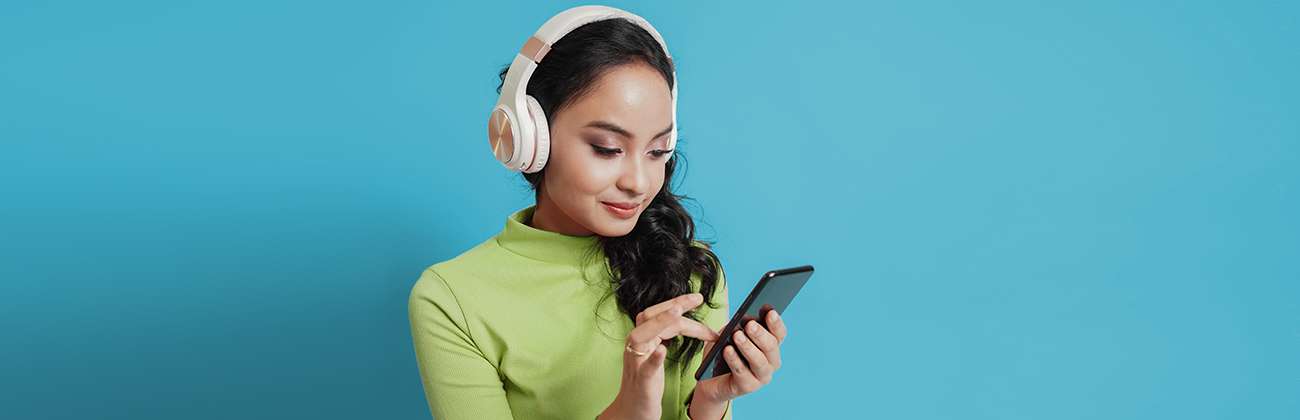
(604, 125)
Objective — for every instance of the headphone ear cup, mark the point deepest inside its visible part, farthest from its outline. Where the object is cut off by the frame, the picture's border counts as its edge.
(542, 133)
(501, 135)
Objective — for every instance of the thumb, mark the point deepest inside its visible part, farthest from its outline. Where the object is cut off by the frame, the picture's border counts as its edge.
(657, 358)
(708, 345)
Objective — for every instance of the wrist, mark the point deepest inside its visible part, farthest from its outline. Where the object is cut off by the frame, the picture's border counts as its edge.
(707, 398)
(706, 407)
(625, 408)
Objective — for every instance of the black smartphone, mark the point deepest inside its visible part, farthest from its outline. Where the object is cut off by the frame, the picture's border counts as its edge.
(774, 290)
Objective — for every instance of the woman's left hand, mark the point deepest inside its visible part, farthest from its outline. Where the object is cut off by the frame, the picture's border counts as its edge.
(760, 346)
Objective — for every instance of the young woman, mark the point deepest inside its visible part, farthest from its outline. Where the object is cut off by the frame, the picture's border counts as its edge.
(591, 302)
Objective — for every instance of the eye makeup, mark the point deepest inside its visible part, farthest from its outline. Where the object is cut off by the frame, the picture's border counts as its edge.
(607, 151)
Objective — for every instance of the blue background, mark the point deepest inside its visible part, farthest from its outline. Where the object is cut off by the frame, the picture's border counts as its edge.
(1017, 210)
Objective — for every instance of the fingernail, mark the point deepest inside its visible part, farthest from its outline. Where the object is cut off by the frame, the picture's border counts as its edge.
(753, 326)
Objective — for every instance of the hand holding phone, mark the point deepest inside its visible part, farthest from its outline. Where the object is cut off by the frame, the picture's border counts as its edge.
(774, 291)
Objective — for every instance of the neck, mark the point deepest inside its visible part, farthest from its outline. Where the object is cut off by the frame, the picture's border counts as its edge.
(549, 217)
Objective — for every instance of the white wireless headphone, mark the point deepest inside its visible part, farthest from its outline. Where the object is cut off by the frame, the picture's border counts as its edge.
(517, 129)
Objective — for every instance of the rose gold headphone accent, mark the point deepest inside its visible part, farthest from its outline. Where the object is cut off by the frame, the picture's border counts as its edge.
(535, 49)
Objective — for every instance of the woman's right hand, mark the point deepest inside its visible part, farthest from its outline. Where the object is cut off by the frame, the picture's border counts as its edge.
(641, 393)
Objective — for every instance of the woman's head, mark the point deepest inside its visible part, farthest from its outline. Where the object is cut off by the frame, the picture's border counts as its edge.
(608, 147)
(606, 91)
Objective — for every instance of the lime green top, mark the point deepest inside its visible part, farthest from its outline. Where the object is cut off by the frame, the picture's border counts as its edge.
(523, 326)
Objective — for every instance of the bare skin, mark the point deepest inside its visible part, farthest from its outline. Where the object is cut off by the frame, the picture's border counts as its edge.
(623, 161)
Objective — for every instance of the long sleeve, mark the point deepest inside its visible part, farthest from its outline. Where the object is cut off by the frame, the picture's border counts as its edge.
(459, 381)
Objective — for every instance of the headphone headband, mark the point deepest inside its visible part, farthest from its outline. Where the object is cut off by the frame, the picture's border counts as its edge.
(513, 122)
(564, 22)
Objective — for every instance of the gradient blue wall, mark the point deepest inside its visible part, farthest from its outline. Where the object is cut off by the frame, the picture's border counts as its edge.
(1017, 210)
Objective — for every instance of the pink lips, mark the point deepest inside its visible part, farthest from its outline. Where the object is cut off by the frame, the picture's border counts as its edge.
(625, 206)
(622, 210)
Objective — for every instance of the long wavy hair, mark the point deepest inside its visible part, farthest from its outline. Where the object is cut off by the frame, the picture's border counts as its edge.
(654, 261)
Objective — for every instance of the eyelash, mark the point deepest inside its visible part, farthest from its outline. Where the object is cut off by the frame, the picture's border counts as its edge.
(603, 151)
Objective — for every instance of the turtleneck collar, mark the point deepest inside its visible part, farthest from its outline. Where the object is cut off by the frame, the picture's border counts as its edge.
(544, 245)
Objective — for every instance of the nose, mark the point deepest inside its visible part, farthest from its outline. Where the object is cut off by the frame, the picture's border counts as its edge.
(634, 178)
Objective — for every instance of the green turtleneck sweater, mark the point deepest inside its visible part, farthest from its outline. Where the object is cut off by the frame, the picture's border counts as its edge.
(523, 326)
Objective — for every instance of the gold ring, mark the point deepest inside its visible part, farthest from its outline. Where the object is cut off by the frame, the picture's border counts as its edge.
(638, 353)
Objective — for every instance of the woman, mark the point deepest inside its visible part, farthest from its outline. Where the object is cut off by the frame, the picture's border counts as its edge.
(523, 324)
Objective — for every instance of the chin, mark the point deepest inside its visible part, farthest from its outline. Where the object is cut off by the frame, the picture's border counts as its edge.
(614, 230)
(613, 227)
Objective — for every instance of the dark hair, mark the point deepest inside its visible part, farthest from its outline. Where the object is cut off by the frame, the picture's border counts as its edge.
(654, 261)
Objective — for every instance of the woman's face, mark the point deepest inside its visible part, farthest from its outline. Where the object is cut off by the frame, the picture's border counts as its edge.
(607, 146)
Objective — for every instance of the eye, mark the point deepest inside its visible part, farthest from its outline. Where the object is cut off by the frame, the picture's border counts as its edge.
(604, 151)
(660, 153)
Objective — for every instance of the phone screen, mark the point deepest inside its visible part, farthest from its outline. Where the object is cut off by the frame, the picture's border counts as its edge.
(775, 290)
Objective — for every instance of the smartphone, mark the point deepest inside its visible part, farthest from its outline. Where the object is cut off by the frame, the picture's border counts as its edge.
(774, 291)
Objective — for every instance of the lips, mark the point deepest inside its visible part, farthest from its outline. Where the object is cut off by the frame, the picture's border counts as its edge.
(624, 206)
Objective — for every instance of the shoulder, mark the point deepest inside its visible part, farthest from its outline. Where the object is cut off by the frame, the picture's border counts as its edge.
(715, 313)
(720, 282)
(717, 260)
(440, 282)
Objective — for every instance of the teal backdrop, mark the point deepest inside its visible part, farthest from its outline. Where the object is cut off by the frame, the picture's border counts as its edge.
(1016, 209)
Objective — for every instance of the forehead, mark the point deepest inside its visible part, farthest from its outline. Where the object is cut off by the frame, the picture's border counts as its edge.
(634, 96)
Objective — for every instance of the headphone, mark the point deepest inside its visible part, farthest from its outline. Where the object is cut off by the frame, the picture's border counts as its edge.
(517, 129)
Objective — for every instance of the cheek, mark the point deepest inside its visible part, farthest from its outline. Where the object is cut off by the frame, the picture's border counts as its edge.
(582, 175)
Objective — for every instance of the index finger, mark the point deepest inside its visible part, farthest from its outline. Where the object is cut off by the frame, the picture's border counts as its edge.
(684, 302)
(668, 325)
(776, 325)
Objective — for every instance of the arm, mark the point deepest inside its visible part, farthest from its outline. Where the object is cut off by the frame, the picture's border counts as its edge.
(459, 381)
